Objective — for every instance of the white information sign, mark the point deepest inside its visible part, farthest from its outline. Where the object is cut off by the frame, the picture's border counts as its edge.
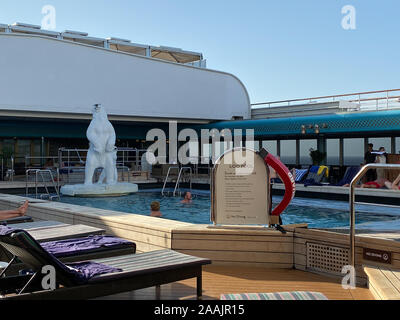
(240, 189)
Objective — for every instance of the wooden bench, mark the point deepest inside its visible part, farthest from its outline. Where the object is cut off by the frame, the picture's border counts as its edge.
(383, 282)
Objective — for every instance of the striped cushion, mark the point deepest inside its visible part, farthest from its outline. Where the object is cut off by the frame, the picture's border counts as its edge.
(294, 295)
(300, 173)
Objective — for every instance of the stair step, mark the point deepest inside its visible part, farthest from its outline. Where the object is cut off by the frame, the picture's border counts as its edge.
(383, 282)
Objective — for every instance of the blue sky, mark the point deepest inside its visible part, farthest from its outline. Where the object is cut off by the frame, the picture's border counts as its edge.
(280, 49)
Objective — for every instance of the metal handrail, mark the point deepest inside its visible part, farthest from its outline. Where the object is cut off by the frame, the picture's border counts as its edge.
(56, 186)
(166, 178)
(326, 97)
(353, 183)
(179, 177)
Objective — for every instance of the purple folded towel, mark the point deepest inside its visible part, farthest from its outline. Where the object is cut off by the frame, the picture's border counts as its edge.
(4, 230)
(69, 247)
(89, 269)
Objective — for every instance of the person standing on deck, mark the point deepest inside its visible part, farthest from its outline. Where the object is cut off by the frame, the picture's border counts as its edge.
(381, 158)
(9, 214)
(370, 157)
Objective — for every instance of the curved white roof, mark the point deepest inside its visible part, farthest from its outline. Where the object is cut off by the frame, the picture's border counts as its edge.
(56, 76)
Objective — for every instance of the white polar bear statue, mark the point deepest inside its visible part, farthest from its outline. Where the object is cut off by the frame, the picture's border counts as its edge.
(102, 151)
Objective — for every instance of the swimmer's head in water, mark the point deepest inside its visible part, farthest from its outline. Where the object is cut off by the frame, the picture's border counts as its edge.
(187, 195)
(155, 206)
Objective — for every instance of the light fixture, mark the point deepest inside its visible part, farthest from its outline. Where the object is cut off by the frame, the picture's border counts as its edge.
(303, 129)
(317, 129)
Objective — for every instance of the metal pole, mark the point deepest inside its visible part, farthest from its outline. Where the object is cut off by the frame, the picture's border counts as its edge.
(42, 152)
(12, 168)
(387, 99)
(36, 183)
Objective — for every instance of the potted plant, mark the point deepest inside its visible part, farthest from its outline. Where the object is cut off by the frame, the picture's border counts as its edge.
(317, 156)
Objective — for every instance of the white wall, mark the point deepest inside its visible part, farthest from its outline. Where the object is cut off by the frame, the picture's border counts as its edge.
(43, 74)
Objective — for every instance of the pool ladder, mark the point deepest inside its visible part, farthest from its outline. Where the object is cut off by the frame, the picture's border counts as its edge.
(180, 176)
(40, 172)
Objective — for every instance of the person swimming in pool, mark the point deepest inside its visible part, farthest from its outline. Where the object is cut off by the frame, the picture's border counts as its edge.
(9, 214)
(155, 209)
(187, 197)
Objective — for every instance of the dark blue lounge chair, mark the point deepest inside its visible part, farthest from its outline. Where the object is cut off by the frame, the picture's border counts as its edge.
(348, 176)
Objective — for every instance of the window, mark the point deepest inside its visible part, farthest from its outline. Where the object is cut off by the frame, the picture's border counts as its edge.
(255, 145)
(381, 142)
(288, 151)
(270, 146)
(332, 151)
(23, 149)
(353, 151)
(305, 146)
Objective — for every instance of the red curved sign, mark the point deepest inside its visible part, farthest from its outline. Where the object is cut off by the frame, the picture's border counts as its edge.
(287, 178)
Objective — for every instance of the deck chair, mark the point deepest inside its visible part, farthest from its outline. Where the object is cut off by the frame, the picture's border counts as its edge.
(96, 278)
(16, 220)
(79, 249)
(348, 176)
(315, 176)
(300, 174)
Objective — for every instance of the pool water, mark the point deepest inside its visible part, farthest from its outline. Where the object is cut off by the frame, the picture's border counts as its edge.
(317, 213)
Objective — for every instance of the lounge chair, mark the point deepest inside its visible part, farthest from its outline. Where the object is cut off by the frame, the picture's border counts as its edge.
(62, 232)
(315, 176)
(79, 249)
(97, 278)
(348, 176)
(300, 174)
(294, 295)
(16, 220)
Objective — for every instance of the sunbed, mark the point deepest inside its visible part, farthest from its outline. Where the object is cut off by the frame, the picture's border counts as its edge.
(16, 220)
(92, 279)
(348, 176)
(300, 174)
(315, 176)
(74, 249)
(62, 232)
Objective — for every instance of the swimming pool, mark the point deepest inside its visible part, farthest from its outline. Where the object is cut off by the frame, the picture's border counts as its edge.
(316, 212)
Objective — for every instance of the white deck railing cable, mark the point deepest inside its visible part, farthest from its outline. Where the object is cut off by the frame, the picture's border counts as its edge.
(383, 98)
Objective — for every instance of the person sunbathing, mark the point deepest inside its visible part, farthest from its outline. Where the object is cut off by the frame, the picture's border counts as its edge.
(9, 214)
(155, 209)
(395, 185)
(376, 184)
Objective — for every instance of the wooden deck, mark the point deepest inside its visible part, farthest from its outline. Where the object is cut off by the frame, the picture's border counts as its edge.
(221, 279)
